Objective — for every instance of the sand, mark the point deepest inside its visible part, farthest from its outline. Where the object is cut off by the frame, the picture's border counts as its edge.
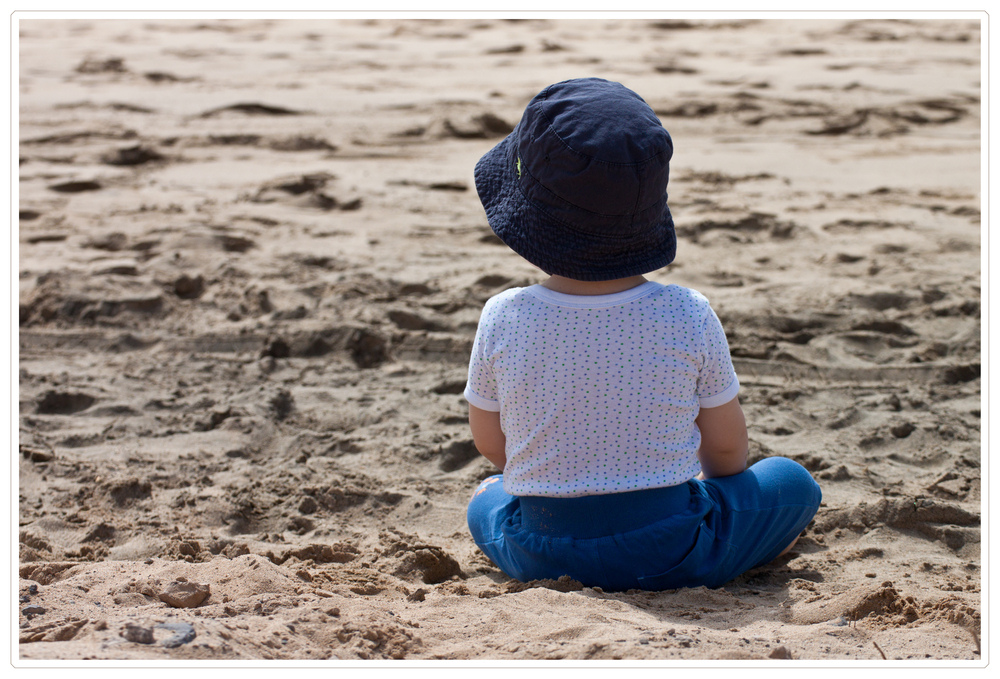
(251, 265)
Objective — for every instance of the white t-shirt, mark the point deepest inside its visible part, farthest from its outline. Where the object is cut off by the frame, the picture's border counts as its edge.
(599, 394)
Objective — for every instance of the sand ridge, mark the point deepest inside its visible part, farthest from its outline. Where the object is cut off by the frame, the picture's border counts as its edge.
(251, 265)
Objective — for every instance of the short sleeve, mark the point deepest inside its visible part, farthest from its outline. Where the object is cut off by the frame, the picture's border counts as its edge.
(481, 388)
(717, 382)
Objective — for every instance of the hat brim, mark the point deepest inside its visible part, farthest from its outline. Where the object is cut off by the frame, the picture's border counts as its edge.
(556, 247)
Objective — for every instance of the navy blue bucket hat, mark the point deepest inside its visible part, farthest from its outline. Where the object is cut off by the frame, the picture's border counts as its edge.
(579, 188)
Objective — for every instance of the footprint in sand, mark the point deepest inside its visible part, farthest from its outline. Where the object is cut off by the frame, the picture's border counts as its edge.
(304, 191)
(133, 155)
(251, 109)
(109, 65)
(163, 77)
(482, 126)
(456, 455)
(409, 320)
(76, 186)
(63, 402)
(746, 228)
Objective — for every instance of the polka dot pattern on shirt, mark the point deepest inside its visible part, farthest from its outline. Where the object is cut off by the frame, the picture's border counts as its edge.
(599, 394)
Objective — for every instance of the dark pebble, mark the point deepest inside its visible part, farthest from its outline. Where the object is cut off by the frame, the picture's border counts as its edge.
(138, 634)
(183, 633)
(901, 431)
(32, 610)
(187, 287)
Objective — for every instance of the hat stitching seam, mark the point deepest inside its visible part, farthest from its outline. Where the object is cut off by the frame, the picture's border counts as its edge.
(550, 125)
(611, 163)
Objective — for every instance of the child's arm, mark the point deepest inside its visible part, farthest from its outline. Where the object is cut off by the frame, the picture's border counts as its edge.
(724, 444)
(488, 436)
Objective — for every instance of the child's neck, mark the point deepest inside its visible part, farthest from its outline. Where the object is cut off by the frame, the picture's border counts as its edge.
(571, 286)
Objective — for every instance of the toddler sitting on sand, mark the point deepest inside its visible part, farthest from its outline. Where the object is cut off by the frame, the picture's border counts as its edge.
(610, 401)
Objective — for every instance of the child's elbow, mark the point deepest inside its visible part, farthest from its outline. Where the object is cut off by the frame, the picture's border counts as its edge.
(488, 436)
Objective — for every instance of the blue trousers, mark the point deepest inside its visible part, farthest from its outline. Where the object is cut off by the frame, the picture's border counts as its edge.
(697, 533)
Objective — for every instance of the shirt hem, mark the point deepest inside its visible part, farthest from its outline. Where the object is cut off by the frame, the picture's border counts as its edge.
(722, 398)
(480, 402)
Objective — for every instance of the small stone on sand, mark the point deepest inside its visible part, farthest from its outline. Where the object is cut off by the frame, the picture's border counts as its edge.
(184, 594)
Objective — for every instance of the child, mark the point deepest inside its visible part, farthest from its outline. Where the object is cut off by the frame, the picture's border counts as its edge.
(609, 401)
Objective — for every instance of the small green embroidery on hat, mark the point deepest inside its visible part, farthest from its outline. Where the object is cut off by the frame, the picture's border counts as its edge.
(519, 167)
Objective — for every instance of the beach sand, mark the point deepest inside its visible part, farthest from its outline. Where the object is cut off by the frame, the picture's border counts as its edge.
(251, 265)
